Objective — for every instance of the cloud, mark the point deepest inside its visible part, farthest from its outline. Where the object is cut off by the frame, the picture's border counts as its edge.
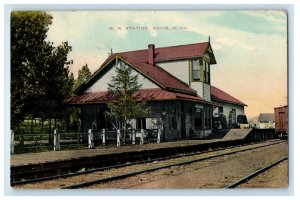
(226, 41)
(275, 16)
(250, 48)
(153, 33)
(122, 33)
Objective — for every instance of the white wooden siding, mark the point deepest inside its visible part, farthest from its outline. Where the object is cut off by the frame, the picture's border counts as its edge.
(198, 86)
(149, 123)
(206, 91)
(227, 107)
(101, 83)
(179, 69)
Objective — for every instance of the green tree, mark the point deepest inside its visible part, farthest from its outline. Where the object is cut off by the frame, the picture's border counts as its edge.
(123, 86)
(40, 78)
(83, 74)
(28, 32)
(57, 81)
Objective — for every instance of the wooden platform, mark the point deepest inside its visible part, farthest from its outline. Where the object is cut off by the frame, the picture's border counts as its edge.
(54, 156)
(237, 134)
(47, 162)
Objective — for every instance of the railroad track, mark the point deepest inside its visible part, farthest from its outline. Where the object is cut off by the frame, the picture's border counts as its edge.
(256, 173)
(186, 159)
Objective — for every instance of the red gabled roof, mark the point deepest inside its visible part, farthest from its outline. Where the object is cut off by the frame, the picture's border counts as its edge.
(181, 52)
(171, 53)
(152, 94)
(217, 94)
(157, 74)
(139, 60)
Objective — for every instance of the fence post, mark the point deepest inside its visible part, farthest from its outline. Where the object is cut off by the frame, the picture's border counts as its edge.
(118, 137)
(22, 142)
(158, 135)
(78, 138)
(91, 139)
(103, 136)
(133, 136)
(12, 142)
(142, 138)
(56, 140)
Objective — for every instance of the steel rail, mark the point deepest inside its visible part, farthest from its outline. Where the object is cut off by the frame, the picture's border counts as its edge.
(133, 173)
(254, 174)
(125, 165)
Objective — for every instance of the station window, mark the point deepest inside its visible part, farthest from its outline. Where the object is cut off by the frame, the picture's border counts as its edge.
(196, 70)
(198, 118)
(198, 122)
(206, 70)
(232, 116)
(173, 121)
(220, 109)
(141, 123)
(208, 118)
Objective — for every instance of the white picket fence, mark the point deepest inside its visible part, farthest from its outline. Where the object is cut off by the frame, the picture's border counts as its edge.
(105, 136)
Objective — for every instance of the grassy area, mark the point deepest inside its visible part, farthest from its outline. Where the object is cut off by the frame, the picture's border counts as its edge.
(33, 135)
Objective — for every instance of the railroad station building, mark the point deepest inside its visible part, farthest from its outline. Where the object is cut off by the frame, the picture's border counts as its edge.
(176, 84)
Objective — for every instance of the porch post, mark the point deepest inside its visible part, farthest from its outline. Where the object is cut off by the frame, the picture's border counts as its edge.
(118, 137)
(12, 142)
(56, 140)
(133, 136)
(158, 135)
(211, 111)
(103, 136)
(142, 137)
(91, 139)
(203, 121)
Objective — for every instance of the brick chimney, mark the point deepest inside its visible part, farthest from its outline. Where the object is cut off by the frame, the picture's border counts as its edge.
(151, 51)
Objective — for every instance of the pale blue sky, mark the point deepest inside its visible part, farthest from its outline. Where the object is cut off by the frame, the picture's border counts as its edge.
(250, 46)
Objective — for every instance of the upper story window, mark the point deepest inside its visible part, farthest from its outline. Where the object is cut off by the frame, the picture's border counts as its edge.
(200, 70)
(206, 72)
(196, 70)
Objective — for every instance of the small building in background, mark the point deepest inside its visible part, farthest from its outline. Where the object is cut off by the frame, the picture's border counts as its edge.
(266, 120)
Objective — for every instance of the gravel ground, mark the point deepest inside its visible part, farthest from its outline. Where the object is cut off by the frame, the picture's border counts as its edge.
(214, 173)
(276, 177)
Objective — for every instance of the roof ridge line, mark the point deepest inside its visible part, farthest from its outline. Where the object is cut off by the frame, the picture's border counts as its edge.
(181, 45)
(162, 47)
